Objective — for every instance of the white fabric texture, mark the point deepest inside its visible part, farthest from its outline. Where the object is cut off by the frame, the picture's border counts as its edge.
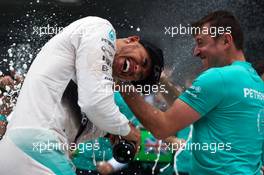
(79, 53)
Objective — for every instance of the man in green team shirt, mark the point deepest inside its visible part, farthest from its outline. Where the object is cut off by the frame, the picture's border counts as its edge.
(225, 104)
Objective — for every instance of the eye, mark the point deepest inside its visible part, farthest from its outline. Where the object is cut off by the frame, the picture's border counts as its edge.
(145, 62)
(199, 42)
(141, 76)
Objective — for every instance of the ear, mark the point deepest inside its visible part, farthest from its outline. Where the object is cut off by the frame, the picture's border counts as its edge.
(133, 38)
(227, 40)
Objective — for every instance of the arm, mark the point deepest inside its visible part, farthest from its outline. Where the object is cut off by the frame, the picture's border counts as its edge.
(161, 124)
(194, 103)
(94, 77)
(176, 142)
(172, 93)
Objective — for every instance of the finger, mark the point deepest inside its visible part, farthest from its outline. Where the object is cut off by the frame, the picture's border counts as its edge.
(138, 148)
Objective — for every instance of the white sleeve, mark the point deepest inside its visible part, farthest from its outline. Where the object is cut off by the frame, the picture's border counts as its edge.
(116, 165)
(94, 46)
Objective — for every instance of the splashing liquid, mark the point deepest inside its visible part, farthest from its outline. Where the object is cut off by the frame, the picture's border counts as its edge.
(158, 156)
(181, 149)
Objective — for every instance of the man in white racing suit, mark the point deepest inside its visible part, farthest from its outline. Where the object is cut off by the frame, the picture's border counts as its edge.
(43, 125)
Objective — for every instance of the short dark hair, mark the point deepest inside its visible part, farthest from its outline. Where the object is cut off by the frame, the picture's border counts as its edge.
(224, 19)
(157, 59)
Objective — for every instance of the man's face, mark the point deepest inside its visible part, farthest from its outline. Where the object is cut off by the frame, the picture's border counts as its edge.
(210, 50)
(131, 62)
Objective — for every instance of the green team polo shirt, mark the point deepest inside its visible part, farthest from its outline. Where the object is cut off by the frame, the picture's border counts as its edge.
(228, 137)
(124, 109)
(84, 158)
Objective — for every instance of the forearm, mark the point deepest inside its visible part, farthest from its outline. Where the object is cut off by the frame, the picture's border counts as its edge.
(172, 93)
(175, 142)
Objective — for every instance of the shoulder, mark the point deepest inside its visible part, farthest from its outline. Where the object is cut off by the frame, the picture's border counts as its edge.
(212, 75)
(92, 21)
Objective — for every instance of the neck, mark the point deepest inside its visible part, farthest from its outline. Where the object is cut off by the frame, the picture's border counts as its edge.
(237, 55)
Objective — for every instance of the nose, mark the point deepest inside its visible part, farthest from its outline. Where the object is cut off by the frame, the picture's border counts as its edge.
(137, 69)
(196, 51)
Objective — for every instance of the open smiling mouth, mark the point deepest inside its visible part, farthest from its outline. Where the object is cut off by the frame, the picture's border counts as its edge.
(126, 66)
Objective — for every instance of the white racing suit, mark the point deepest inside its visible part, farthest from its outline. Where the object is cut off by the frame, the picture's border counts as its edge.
(42, 123)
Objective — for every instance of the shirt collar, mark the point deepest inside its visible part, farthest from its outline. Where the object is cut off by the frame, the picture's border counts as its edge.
(242, 63)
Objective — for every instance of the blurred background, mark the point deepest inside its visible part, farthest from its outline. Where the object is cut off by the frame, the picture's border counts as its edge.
(26, 25)
(20, 41)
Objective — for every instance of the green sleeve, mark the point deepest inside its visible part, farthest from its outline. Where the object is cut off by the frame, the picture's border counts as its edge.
(124, 109)
(206, 92)
(262, 155)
